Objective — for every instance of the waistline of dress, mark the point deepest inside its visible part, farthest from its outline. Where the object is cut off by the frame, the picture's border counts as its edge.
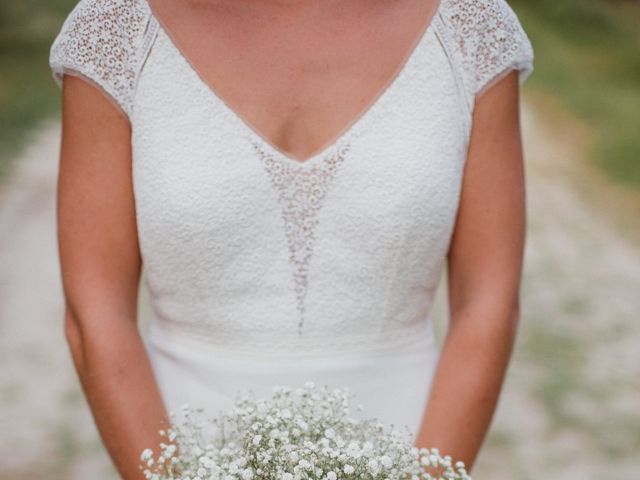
(412, 339)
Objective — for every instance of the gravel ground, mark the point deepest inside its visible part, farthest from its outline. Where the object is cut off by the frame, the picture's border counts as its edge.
(569, 408)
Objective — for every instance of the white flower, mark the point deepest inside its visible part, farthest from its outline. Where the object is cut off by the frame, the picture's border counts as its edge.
(247, 474)
(271, 420)
(291, 437)
(285, 413)
(146, 454)
(353, 450)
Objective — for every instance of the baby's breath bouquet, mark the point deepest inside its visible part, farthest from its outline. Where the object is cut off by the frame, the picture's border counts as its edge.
(296, 434)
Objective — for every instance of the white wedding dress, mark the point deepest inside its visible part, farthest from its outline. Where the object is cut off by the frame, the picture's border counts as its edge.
(265, 270)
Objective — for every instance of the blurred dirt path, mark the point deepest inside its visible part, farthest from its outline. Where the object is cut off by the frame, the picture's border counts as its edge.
(569, 406)
(46, 431)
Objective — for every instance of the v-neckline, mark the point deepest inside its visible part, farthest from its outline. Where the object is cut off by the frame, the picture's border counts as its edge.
(344, 132)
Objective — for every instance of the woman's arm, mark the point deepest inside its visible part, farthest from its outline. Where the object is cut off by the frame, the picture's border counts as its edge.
(101, 267)
(484, 272)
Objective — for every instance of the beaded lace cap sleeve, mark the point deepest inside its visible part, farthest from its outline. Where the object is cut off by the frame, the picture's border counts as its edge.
(489, 40)
(104, 41)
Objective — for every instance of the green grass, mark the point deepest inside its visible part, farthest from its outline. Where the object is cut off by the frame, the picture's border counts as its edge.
(27, 91)
(570, 397)
(587, 54)
(562, 358)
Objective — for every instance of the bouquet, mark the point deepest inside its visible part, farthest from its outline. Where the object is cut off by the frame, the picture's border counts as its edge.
(301, 434)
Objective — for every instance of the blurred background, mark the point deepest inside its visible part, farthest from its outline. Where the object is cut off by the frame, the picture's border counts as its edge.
(570, 407)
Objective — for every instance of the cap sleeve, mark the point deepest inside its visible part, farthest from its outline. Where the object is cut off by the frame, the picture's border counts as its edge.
(491, 43)
(103, 41)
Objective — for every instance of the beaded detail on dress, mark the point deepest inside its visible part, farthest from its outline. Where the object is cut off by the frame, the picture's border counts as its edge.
(300, 193)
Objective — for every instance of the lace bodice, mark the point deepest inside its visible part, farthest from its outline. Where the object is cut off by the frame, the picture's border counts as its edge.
(245, 248)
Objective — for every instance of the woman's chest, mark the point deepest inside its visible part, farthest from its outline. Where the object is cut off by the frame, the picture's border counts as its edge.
(298, 74)
(201, 173)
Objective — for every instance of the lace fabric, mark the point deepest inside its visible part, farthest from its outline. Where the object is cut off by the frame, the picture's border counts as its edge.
(106, 42)
(489, 42)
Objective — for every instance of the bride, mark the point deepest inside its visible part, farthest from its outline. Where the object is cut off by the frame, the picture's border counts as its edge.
(294, 176)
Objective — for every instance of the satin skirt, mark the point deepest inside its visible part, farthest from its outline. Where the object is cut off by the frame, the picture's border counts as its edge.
(391, 387)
